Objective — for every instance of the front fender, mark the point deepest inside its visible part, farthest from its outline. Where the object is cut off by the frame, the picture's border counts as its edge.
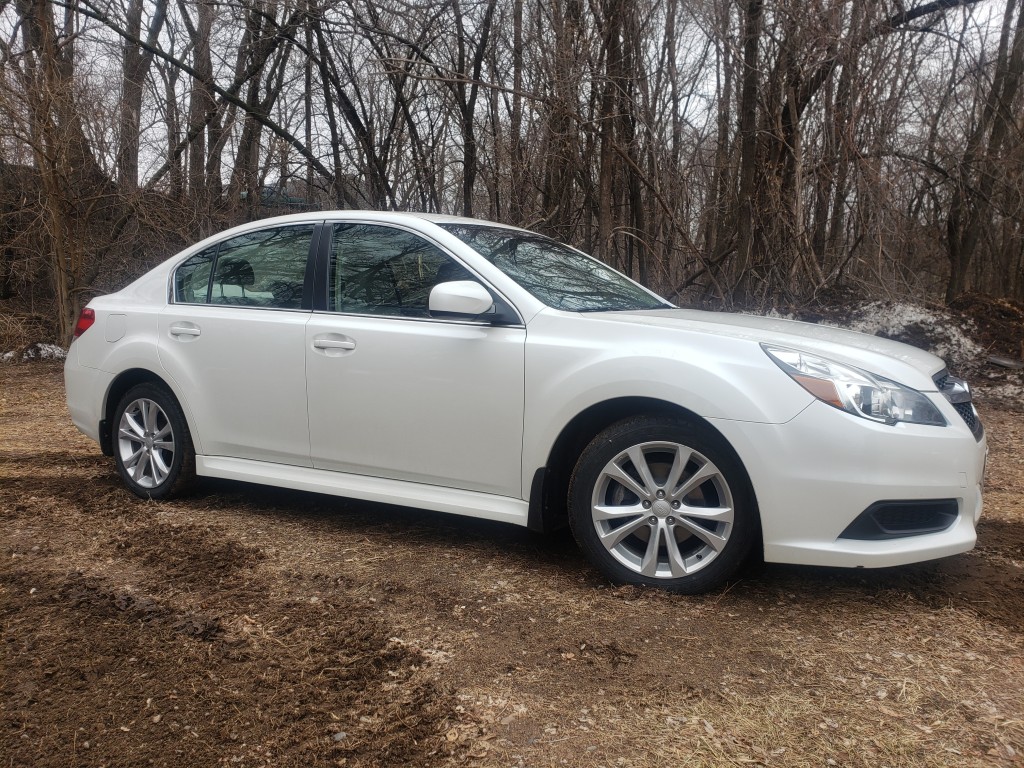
(570, 368)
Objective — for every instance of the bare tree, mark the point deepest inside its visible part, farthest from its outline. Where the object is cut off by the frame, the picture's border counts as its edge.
(731, 153)
(979, 173)
(135, 65)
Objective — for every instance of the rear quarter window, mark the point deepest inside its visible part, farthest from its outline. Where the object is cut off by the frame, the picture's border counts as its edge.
(192, 279)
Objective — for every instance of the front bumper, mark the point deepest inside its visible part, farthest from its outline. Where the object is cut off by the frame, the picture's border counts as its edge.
(814, 475)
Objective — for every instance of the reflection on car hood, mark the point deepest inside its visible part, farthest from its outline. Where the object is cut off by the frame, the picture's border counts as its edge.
(859, 349)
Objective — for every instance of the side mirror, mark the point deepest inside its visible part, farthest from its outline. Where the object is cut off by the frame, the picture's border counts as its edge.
(459, 298)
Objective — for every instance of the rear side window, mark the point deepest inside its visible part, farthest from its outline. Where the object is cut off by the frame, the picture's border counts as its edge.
(266, 268)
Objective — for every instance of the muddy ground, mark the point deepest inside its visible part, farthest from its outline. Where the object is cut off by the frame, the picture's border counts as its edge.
(247, 626)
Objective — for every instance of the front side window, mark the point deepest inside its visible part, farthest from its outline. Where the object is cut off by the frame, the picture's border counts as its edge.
(379, 270)
(266, 268)
(556, 274)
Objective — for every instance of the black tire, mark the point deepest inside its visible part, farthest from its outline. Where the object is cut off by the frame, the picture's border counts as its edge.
(638, 531)
(151, 443)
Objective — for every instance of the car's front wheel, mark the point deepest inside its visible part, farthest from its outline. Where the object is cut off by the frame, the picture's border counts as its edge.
(663, 502)
(152, 446)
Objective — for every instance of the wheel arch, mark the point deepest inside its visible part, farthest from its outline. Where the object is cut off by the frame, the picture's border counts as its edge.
(121, 384)
(550, 485)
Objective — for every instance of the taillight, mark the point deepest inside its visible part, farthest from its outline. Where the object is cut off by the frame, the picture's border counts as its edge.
(85, 321)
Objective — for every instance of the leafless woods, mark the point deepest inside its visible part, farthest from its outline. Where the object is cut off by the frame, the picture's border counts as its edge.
(724, 152)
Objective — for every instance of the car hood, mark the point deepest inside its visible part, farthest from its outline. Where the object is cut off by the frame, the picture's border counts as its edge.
(874, 353)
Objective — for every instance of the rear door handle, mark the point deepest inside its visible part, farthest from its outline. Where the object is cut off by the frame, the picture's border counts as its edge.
(183, 329)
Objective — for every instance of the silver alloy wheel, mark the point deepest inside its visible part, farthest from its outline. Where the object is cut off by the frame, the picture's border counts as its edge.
(662, 509)
(145, 443)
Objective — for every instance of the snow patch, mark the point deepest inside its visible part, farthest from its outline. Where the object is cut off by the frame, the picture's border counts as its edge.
(941, 332)
(947, 336)
(1000, 392)
(1011, 389)
(37, 351)
(44, 352)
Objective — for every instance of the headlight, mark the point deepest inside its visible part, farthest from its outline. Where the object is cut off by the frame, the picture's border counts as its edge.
(856, 391)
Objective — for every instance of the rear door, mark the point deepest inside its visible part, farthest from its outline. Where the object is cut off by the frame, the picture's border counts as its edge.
(232, 339)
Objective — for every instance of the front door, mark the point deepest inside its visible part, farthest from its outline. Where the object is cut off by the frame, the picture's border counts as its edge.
(397, 394)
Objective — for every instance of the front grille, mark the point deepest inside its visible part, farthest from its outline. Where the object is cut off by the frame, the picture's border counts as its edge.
(958, 393)
(969, 415)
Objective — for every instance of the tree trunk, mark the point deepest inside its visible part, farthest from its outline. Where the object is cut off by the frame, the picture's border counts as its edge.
(970, 213)
(134, 69)
(749, 95)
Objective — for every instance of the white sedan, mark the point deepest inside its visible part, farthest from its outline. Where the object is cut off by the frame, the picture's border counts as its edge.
(468, 367)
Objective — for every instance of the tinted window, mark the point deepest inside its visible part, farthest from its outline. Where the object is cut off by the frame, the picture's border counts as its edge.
(383, 271)
(556, 274)
(266, 268)
(192, 279)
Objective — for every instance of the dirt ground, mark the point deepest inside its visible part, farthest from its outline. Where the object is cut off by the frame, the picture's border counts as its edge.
(247, 626)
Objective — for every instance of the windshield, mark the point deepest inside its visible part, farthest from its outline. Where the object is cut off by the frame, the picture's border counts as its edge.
(554, 273)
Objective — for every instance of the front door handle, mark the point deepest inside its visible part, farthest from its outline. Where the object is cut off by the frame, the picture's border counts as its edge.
(322, 343)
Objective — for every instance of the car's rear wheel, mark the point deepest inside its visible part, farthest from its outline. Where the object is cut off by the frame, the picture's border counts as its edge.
(663, 502)
(152, 445)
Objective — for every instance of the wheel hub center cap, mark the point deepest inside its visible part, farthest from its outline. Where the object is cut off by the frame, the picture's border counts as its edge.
(662, 508)
(149, 442)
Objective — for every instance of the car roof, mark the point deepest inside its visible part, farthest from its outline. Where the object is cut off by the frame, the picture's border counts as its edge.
(357, 213)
